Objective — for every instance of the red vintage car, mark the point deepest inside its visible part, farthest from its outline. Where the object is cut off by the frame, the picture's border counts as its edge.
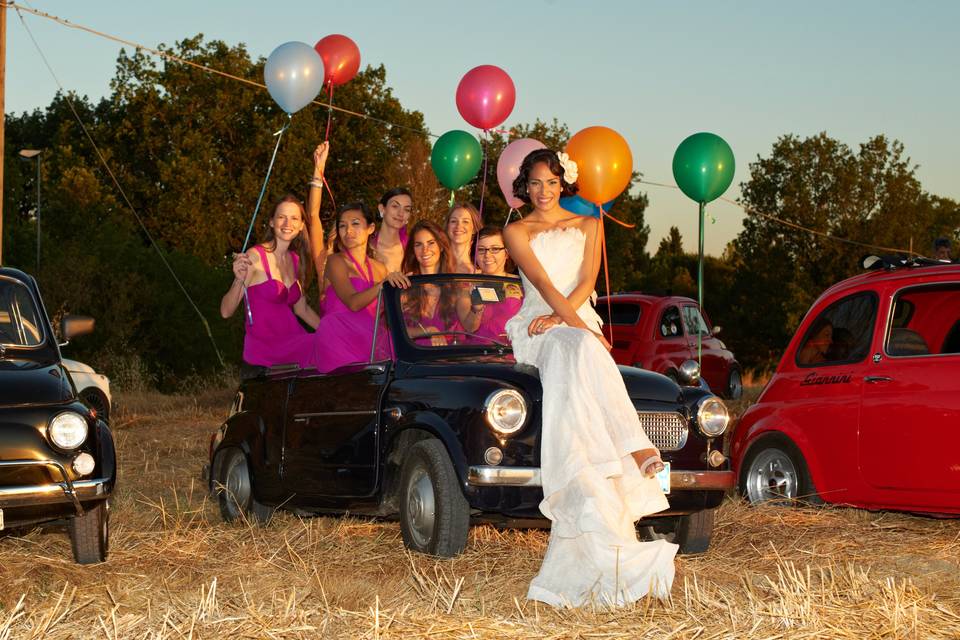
(864, 407)
(659, 333)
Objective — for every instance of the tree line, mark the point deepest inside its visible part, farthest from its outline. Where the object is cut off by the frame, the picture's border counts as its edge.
(191, 150)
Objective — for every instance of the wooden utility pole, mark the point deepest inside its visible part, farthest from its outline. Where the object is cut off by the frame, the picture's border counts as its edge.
(3, 111)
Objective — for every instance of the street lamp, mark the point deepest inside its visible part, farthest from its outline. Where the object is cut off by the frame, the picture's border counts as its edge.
(29, 154)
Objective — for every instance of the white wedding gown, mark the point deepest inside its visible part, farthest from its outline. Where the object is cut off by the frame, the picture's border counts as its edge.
(593, 490)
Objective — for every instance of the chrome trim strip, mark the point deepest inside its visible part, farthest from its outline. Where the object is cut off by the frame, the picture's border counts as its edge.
(300, 416)
(486, 476)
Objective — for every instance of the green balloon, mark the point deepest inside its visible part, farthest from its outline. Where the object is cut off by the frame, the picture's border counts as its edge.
(703, 166)
(456, 158)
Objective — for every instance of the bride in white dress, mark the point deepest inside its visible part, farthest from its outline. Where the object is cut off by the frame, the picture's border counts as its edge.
(597, 464)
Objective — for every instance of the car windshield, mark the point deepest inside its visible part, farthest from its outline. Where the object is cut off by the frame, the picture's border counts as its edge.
(443, 312)
(20, 324)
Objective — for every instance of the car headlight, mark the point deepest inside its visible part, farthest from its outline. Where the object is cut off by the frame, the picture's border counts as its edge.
(67, 430)
(505, 411)
(712, 416)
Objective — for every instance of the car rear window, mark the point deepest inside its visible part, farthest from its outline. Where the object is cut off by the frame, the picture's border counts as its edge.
(841, 334)
(625, 313)
(925, 321)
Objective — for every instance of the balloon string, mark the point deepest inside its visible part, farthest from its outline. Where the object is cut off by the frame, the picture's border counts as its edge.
(619, 222)
(483, 184)
(703, 206)
(256, 209)
(509, 215)
(606, 272)
(329, 114)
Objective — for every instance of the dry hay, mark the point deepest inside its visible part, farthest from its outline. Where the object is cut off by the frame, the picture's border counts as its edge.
(176, 571)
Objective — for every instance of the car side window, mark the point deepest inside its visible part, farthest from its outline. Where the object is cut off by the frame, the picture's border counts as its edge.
(841, 334)
(925, 321)
(694, 322)
(19, 319)
(670, 323)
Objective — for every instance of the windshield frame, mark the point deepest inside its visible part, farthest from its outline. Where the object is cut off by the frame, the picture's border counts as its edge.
(42, 322)
(406, 349)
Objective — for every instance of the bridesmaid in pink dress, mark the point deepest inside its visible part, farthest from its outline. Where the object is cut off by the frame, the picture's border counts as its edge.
(270, 274)
(488, 320)
(345, 332)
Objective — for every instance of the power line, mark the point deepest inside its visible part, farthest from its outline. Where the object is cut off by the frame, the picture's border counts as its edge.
(116, 183)
(793, 225)
(169, 56)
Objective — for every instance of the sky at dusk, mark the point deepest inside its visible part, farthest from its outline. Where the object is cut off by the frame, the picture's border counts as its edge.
(656, 72)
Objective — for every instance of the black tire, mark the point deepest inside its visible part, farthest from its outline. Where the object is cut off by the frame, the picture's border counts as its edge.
(97, 401)
(694, 532)
(434, 515)
(90, 534)
(235, 490)
(734, 388)
(774, 472)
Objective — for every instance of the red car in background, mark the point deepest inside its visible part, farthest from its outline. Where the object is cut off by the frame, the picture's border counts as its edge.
(659, 333)
(864, 407)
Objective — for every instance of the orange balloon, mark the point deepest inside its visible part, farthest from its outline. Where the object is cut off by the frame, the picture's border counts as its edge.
(604, 163)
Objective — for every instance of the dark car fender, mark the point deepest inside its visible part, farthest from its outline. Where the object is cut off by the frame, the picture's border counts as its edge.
(428, 424)
(107, 462)
(244, 431)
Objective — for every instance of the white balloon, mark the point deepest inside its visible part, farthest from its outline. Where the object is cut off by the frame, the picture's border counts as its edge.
(293, 75)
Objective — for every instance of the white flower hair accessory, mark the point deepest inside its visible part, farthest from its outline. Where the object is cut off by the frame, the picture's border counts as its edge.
(570, 170)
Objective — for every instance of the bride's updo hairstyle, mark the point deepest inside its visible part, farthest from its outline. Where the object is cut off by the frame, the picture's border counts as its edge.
(549, 158)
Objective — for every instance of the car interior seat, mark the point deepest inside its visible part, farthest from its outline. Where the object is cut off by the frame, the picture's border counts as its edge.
(907, 342)
(951, 344)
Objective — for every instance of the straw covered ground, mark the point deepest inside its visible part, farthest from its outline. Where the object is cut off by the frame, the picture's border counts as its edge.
(176, 571)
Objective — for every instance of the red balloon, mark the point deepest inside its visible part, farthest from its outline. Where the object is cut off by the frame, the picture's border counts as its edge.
(341, 58)
(485, 96)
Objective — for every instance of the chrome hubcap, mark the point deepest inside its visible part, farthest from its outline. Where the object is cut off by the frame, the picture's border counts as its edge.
(772, 478)
(421, 507)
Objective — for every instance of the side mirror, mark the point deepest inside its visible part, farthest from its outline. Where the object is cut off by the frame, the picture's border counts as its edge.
(716, 331)
(689, 373)
(73, 326)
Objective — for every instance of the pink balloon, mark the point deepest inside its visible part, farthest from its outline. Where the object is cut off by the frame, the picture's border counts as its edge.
(485, 96)
(508, 166)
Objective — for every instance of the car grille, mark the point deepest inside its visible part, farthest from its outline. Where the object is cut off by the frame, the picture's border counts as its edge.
(667, 431)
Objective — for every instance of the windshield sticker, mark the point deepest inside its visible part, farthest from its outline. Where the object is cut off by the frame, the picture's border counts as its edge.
(488, 294)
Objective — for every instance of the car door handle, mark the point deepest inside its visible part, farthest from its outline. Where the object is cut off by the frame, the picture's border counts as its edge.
(872, 379)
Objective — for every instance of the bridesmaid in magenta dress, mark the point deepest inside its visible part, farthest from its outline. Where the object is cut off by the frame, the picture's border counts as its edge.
(269, 273)
(346, 330)
(488, 320)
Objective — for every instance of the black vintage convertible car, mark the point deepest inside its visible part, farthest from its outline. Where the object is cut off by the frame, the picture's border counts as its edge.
(57, 458)
(441, 427)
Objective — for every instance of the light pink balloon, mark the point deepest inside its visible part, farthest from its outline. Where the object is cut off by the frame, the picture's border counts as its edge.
(508, 166)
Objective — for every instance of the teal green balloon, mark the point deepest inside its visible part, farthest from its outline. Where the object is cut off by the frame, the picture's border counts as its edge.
(456, 158)
(703, 166)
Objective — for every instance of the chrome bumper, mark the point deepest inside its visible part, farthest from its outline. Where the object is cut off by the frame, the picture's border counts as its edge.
(487, 476)
(55, 493)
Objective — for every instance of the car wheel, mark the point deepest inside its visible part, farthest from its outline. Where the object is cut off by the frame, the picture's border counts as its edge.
(235, 491)
(734, 385)
(90, 534)
(434, 515)
(694, 532)
(775, 472)
(691, 533)
(97, 401)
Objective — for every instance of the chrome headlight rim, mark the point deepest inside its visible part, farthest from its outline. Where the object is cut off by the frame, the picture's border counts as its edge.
(490, 413)
(705, 407)
(64, 436)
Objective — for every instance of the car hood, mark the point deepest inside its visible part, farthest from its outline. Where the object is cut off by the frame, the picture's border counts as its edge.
(24, 382)
(74, 366)
(641, 384)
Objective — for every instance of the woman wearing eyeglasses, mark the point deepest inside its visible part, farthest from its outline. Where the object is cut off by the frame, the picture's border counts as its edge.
(488, 320)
